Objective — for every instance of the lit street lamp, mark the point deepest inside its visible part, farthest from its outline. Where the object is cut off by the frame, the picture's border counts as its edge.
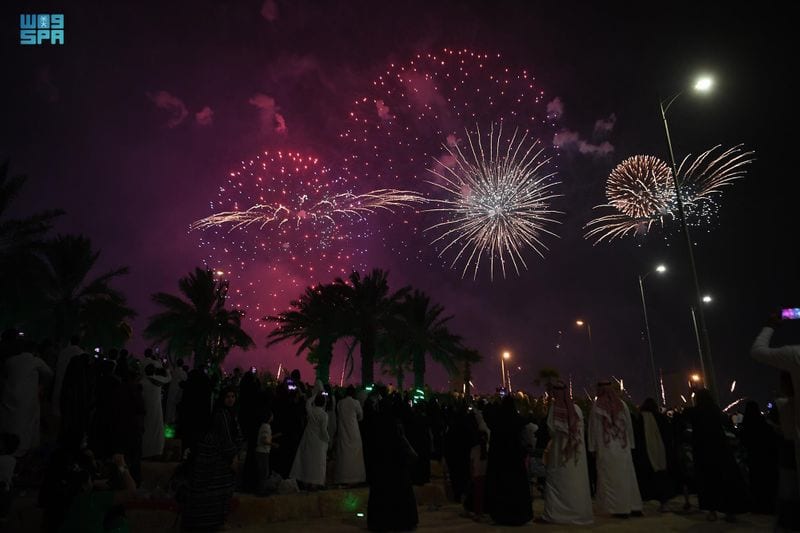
(580, 323)
(506, 355)
(703, 84)
(705, 299)
(660, 269)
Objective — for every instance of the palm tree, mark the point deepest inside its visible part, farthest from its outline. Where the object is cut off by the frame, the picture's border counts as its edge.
(467, 357)
(547, 376)
(394, 360)
(423, 332)
(72, 303)
(21, 240)
(200, 324)
(368, 306)
(315, 322)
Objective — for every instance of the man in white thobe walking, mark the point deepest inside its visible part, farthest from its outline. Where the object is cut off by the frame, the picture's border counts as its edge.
(349, 452)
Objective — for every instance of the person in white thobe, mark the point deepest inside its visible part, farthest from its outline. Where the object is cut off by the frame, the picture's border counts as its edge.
(19, 403)
(567, 497)
(154, 379)
(786, 358)
(62, 362)
(175, 392)
(310, 461)
(611, 438)
(349, 451)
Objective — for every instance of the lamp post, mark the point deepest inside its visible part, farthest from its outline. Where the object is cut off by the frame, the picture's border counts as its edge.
(506, 355)
(580, 323)
(703, 84)
(660, 269)
(704, 299)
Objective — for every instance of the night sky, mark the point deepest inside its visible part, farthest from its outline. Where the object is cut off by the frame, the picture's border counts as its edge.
(134, 124)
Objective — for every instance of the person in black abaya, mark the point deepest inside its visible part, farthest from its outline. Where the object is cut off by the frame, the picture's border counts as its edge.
(457, 445)
(194, 411)
(127, 426)
(77, 402)
(654, 454)
(250, 408)
(392, 505)
(105, 412)
(508, 494)
(720, 486)
(419, 435)
(761, 443)
(212, 468)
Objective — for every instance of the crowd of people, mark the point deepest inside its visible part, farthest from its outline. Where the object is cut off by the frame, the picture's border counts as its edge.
(251, 433)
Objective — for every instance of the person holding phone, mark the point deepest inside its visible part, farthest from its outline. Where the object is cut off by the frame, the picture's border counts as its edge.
(786, 358)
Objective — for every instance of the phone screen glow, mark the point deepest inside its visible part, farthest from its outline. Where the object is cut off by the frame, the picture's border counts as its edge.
(792, 313)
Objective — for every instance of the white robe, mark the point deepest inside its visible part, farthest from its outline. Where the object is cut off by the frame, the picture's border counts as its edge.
(62, 362)
(19, 403)
(312, 453)
(567, 497)
(617, 488)
(349, 451)
(153, 436)
(784, 358)
(332, 423)
(174, 394)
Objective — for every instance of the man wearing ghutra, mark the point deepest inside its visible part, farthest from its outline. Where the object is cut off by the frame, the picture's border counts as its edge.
(567, 499)
(611, 438)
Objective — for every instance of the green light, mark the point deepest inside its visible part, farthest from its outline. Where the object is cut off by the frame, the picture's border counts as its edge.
(360, 515)
(351, 502)
(169, 431)
(368, 388)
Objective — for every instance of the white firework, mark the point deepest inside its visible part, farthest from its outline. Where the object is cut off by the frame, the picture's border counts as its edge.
(498, 200)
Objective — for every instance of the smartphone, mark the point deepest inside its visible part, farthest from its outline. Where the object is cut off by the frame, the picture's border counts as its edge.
(790, 313)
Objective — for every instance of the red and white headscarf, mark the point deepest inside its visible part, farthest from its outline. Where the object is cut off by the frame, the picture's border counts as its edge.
(610, 407)
(565, 421)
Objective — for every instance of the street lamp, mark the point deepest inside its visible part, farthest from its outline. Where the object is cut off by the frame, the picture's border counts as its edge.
(660, 269)
(705, 299)
(580, 324)
(506, 355)
(703, 84)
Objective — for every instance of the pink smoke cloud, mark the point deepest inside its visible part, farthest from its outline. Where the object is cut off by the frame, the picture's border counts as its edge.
(269, 10)
(204, 117)
(383, 110)
(280, 124)
(566, 139)
(173, 104)
(604, 126)
(555, 108)
(270, 118)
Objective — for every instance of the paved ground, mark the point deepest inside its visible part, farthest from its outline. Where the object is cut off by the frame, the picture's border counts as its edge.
(337, 510)
(26, 518)
(448, 519)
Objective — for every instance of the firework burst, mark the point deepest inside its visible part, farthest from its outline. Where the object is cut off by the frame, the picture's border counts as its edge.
(329, 210)
(641, 192)
(394, 134)
(498, 200)
(283, 221)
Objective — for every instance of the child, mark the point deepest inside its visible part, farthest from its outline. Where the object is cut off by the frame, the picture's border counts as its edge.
(263, 446)
(478, 458)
